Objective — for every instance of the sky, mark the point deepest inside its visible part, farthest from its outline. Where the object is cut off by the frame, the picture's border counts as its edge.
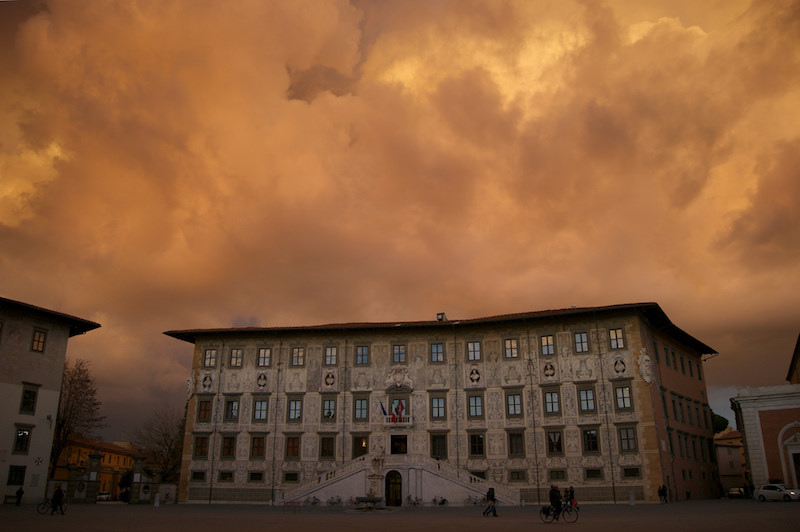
(201, 164)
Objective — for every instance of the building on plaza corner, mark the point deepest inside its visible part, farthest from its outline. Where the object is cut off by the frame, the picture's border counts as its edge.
(610, 400)
(769, 419)
(33, 346)
(115, 459)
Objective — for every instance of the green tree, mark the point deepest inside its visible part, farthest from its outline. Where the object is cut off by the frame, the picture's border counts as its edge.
(718, 423)
(78, 408)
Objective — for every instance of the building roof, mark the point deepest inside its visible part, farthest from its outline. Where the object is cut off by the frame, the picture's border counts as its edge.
(651, 312)
(76, 325)
(102, 446)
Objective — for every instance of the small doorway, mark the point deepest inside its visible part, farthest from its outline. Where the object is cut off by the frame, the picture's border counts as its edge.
(394, 489)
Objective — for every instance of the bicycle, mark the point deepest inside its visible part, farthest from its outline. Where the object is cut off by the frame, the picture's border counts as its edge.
(569, 512)
(45, 506)
(474, 500)
(439, 501)
(413, 501)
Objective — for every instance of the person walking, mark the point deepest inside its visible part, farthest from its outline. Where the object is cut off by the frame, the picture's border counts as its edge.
(58, 501)
(662, 494)
(20, 493)
(491, 504)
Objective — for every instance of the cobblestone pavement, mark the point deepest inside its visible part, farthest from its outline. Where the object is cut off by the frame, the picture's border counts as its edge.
(707, 516)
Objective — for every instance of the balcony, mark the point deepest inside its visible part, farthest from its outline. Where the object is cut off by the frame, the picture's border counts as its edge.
(398, 421)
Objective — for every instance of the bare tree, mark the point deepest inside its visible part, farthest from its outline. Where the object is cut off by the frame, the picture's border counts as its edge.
(78, 408)
(162, 436)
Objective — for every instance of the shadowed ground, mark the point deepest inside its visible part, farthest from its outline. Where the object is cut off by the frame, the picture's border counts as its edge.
(708, 516)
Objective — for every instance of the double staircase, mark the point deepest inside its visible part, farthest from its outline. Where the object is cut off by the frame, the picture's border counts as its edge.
(460, 480)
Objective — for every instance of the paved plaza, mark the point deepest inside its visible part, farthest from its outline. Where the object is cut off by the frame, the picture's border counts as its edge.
(708, 516)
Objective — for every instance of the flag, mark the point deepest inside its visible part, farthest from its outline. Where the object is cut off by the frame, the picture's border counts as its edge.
(382, 408)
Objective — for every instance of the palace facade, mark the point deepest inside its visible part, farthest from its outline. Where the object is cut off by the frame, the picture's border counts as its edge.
(610, 400)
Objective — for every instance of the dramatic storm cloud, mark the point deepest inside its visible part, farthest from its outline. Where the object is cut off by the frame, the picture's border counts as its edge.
(190, 164)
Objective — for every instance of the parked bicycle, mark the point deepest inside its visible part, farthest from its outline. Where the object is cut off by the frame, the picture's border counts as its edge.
(334, 501)
(568, 512)
(311, 501)
(439, 501)
(413, 501)
(474, 500)
(45, 506)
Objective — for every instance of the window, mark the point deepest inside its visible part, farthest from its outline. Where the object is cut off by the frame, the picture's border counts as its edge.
(512, 350)
(200, 446)
(586, 400)
(551, 402)
(255, 476)
(291, 477)
(293, 447)
(683, 365)
(438, 446)
(16, 475)
(295, 412)
(699, 372)
(438, 408)
(557, 474)
(209, 358)
(623, 396)
(473, 351)
(204, 410)
(437, 353)
(257, 446)
(475, 403)
(674, 361)
(330, 355)
(591, 441)
(22, 441)
(398, 354)
(555, 443)
(27, 404)
(231, 409)
(264, 355)
(593, 474)
(615, 337)
(631, 472)
(236, 358)
(627, 439)
(548, 345)
(259, 409)
(39, 337)
(327, 447)
(516, 445)
(329, 409)
(398, 444)
(581, 342)
(666, 355)
(360, 408)
(226, 476)
(362, 355)
(513, 404)
(360, 445)
(228, 447)
(517, 476)
(476, 447)
(198, 476)
(298, 356)
(691, 369)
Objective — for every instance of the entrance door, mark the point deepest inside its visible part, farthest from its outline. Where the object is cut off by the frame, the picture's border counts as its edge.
(394, 489)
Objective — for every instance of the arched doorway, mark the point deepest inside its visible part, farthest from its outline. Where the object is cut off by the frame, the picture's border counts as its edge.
(394, 489)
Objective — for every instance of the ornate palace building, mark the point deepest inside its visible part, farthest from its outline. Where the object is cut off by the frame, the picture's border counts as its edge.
(610, 400)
